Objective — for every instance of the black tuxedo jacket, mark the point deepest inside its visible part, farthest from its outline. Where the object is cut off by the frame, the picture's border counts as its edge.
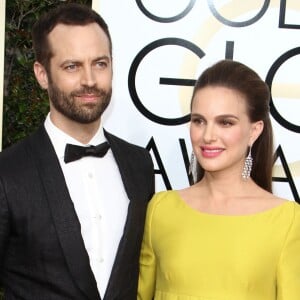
(42, 254)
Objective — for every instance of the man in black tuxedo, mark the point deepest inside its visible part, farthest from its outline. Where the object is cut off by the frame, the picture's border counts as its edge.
(72, 216)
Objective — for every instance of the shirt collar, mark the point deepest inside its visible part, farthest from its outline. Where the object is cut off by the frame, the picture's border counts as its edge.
(59, 138)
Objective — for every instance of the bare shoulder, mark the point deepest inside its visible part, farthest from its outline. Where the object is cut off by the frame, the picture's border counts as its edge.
(269, 200)
(190, 192)
(193, 196)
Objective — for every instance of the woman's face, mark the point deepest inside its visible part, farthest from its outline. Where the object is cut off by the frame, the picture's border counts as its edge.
(220, 129)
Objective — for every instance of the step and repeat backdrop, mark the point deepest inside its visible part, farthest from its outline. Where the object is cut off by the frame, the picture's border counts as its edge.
(161, 47)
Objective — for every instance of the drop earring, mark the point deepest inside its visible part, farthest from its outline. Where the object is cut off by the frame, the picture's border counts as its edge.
(247, 165)
(193, 167)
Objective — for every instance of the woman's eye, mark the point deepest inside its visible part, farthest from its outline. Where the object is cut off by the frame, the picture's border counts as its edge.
(226, 123)
(197, 120)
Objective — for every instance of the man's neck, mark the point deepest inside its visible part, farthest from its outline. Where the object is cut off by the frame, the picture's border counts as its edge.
(83, 133)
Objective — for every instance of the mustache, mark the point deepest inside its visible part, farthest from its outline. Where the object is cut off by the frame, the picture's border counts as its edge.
(89, 90)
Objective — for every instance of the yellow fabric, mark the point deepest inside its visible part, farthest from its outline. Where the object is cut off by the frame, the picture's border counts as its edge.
(189, 255)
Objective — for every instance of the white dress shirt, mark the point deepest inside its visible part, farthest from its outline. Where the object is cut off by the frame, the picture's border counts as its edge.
(99, 198)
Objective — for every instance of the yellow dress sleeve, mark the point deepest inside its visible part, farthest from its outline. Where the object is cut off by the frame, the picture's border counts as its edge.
(288, 277)
(147, 275)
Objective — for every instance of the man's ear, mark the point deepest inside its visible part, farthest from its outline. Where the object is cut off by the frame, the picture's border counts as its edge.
(41, 75)
(256, 130)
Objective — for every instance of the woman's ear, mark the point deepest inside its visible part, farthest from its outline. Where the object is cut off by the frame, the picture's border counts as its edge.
(41, 75)
(256, 130)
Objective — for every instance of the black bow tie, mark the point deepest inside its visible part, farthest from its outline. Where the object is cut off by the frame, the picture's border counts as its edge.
(74, 152)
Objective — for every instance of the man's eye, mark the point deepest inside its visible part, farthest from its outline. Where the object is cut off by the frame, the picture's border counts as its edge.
(102, 64)
(70, 67)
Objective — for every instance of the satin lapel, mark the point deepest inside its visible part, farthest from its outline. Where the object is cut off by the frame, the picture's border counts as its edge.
(121, 158)
(129, 243)
(64, 216)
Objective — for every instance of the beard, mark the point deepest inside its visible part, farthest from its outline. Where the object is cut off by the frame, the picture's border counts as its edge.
(83, 113)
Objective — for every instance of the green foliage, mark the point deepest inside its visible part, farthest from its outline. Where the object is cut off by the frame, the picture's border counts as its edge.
(25, 103)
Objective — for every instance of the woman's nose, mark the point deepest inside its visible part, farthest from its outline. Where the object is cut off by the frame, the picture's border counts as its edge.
(209, 134)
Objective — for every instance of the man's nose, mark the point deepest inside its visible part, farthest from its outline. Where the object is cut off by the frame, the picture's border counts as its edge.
(88, 77)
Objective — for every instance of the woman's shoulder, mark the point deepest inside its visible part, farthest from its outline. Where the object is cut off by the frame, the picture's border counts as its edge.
(262, 201)
(296, 209)
(161, 203)
(289, 211)
(160, 196)
(285, 204)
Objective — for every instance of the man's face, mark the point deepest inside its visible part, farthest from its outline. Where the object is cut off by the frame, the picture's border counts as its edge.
(80, 75)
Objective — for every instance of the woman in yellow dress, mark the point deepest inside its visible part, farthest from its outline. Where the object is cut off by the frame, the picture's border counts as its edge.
(227, 237)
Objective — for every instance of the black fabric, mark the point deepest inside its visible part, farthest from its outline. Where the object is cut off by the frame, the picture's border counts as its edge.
(42, 253)
(75, 152)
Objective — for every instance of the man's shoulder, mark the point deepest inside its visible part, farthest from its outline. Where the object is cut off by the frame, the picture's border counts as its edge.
(18, 152)
(14, 149)
(12, 159)
(135, 156)
(120, 142)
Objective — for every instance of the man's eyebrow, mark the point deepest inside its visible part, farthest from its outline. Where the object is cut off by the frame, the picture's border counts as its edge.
(78, 61)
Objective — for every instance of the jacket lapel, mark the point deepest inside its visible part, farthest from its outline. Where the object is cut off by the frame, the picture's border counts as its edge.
(129, 245)
(63, 213)
(122, 157)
